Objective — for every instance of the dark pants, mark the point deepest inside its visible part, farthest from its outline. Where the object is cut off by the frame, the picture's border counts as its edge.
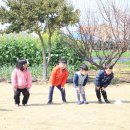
(25, 93)
(51, 90)
(99, 92)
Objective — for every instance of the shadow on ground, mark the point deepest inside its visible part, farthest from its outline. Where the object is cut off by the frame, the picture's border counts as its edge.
(5, 110)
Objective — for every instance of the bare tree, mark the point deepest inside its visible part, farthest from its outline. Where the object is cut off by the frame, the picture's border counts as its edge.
(104, 35)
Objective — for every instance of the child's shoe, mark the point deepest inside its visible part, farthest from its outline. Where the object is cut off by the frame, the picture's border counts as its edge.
(24, 104)
(84, 102)
(99, 100)
(49, 102)
(17, 105)
(78, 102)
(107, 101)
(65, 102)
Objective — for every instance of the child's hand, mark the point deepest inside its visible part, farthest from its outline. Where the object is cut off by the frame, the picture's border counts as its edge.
(15, 88)
(78, 89)
(63, 88)
(103, 88)
(28, 89)
(97, 88)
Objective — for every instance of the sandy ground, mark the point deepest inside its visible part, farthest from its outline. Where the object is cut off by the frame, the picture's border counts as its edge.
(58, 116)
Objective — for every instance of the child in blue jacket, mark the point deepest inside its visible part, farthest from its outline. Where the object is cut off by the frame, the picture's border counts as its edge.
(103, 79)
(80, 80)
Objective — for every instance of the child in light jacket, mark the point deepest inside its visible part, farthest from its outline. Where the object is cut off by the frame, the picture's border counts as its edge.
(80, 80)
(22, 82)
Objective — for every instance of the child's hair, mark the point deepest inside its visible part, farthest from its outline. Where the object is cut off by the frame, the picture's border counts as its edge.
(63, 60)
(20, 64)
(84, 67)
(108, 67)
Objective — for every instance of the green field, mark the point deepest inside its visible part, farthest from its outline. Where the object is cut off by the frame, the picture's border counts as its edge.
(125, 55)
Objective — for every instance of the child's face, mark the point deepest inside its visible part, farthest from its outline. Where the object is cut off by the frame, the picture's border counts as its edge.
(24, 66)
(108, 71)
(63, 65)
(84, 72)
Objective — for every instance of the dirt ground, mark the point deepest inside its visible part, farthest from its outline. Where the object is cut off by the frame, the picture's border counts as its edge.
(58, 116)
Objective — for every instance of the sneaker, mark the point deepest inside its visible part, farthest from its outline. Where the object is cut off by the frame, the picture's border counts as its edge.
(49, 102)
(65, 102)
(107, 101)
(84, 102)
(99, 100)
(17, 105)
(24, 104)
(79, 103)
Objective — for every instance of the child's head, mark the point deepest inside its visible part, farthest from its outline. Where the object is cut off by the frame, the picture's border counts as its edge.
(108, 69)
(83, 69)
(63, 63)
(21, 64)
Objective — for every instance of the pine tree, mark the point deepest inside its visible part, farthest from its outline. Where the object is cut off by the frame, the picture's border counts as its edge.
(38, 16)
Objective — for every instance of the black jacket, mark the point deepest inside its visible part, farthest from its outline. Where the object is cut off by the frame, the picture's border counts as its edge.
(102, 79)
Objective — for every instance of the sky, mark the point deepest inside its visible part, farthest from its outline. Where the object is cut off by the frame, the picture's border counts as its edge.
(85, 5)
(81, 4)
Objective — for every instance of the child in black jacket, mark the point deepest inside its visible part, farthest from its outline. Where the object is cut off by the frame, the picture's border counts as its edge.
(103, 79)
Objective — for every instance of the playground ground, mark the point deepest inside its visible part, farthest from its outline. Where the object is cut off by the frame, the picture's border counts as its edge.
(58, 116)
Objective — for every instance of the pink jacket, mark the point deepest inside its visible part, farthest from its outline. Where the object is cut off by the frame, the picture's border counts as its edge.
(21, 79)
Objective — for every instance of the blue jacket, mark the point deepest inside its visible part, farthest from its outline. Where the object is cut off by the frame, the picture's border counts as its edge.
(102, 79)
(79, 79)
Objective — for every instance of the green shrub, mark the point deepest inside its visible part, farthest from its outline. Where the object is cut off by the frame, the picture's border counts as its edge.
(5, 72)
(61, 49)
(13, 47)
(16, 47)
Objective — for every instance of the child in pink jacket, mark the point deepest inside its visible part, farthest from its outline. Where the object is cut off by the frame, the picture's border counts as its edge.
(21, 81)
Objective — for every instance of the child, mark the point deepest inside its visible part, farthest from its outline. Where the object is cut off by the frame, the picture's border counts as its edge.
(58, 78)
(80, 80)
(21, 81)
(103, 79)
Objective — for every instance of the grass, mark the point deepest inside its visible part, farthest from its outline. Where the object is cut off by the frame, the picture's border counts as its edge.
(125, 64)
(36, 70)
(5, 72)
(125, 55)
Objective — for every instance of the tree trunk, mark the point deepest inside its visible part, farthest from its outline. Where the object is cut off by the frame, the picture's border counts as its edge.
(44, 57)
(45, 66)
(49, 45)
